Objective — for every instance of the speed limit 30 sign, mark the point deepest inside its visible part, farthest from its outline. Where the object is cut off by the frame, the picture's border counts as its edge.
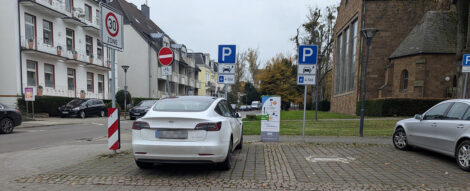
(111, 27)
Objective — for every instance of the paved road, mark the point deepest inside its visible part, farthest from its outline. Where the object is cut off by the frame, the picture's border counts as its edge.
(41, 137)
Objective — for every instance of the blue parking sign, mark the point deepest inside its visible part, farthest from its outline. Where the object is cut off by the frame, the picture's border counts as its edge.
(227, 54)
(308, 54)
(221, 79)
(466, 60)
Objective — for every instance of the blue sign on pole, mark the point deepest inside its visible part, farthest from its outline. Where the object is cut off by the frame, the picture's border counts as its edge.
(466, 63)
(308, 54)
(227, 54)
(221, 79)
(301, 80)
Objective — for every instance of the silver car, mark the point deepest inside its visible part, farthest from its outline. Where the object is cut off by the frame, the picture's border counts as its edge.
(445, 128)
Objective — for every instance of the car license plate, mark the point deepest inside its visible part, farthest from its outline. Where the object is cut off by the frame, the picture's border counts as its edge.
(136, 113)
(171, 134)
(65, 112)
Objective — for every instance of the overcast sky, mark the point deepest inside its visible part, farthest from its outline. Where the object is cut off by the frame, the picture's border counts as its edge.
(204, 24)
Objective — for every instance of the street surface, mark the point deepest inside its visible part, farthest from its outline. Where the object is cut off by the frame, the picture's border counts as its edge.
(75, 157)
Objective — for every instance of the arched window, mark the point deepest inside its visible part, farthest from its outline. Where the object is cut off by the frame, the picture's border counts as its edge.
(404, 80)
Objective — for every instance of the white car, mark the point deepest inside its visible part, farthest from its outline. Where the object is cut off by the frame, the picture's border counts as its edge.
(187, 129)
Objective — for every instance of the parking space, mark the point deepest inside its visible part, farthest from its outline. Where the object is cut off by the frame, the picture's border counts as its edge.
(289, 166)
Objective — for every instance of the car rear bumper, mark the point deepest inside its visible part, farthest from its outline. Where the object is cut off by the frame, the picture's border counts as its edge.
(179, 151)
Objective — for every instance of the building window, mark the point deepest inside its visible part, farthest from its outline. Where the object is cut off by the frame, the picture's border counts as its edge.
(88, 12)
(352, 59)
(99, 49)
(404, 80)
(68, 5)
(344, 63)
(89, 81)
(70, 39)
(339, 41)
(98, 17)
(30, 27)
(89, 45)
(47, 33)
(31, 73)
(49, 77)
(100, 83)
(71, 79)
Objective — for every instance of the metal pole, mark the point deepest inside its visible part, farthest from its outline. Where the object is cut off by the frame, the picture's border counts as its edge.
(465, 86)
(113, 81)
(316, 91)
(33, 108)
(363, 100)
(305, 107)
(168, 85)
(125, 93)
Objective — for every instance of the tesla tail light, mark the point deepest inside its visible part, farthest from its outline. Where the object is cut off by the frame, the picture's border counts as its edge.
(209, 126)
(138, 125)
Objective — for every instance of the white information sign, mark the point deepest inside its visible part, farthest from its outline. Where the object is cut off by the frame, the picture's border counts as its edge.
(226, 69)
(166, 70)
(270, 118)
(111, 27)
(226, 79)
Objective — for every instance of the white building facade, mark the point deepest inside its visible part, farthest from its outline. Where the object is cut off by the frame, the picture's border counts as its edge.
(143, 39)
(53, 46)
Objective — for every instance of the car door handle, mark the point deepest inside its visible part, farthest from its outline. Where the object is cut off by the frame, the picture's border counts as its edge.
(459, 126)
(433, 124)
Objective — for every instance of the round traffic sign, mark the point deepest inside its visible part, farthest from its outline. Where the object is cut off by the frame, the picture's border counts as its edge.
(112, 24)
(165, 56)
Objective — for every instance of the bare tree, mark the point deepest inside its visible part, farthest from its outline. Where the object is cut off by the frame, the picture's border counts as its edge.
(240, 65)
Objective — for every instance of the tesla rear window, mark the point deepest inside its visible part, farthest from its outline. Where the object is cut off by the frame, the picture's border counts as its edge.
(183, 105)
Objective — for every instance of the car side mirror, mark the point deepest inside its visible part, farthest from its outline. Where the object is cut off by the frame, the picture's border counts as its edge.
(237, 115)
(418, 117)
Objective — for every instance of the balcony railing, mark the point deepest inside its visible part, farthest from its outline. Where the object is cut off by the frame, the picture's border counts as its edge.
(54, 8)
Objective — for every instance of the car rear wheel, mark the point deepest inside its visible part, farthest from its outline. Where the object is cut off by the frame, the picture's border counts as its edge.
(82, 114)
(6, 126)
(462, 155)
(227, 164)
(240, 144)
(400, 140)
(144, 165)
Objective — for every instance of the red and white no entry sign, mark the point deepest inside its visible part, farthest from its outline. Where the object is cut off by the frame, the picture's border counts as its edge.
(165, 56)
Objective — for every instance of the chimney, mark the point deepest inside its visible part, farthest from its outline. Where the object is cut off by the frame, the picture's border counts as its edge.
(145, 10)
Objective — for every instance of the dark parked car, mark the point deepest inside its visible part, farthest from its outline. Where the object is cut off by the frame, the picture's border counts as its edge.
(141, 109)
(83, 108)
(9, 119)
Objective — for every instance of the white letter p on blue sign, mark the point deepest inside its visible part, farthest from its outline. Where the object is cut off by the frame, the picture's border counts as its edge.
(308, 54)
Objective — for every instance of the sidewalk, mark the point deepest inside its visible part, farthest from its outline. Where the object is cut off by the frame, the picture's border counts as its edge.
(51, 121)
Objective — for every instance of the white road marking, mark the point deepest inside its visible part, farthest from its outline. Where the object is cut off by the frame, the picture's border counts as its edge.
(330, 159)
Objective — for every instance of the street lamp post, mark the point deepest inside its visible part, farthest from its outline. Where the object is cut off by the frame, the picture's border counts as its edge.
(368, 33)
(125, 67)
(320, 57)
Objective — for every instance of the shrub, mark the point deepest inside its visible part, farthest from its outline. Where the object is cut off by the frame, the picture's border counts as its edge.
(322, 105)
(396, 106)
(120, 97)
(250, 117)
(137, 100)
(44, 104)
(109, 104)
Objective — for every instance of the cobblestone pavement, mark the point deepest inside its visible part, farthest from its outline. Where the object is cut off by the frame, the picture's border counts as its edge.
(268, 166)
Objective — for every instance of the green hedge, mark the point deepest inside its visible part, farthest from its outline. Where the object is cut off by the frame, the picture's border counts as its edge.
(396, 106)
(137, 100)
(322, 105)
(44, 104)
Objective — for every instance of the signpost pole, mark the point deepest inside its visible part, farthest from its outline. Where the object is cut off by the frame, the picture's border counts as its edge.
(305, 107)
(465, 86)
(113, 81)
(168, 85)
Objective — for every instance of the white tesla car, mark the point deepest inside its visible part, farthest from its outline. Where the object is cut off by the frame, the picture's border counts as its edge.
(187, 129)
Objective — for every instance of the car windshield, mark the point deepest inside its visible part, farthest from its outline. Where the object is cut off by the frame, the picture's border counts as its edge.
(76, 102)
(184, 104)
(147, 103)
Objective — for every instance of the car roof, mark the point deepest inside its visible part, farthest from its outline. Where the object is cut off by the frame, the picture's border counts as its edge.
(193, 98)
(467, 101)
